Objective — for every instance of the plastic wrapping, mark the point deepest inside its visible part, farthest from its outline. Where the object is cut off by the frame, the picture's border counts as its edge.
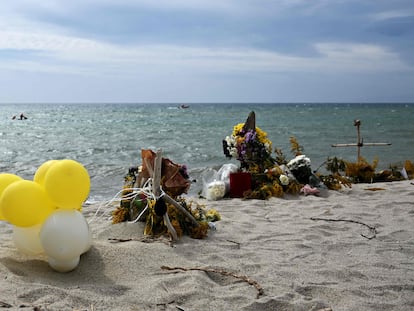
(216, 184)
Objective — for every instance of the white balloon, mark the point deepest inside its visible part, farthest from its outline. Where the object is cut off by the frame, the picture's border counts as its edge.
(65, 235)
(27, 240)
(89, 240)
(63, 265)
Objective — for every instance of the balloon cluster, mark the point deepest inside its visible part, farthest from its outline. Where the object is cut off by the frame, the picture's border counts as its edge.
(46, 212)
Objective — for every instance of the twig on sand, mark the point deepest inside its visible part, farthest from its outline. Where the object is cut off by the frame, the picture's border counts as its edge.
(37, 308)
(374, 189)
(244, 278)
(91, 308)
(144, 239)
(5, 304)
(373, 230)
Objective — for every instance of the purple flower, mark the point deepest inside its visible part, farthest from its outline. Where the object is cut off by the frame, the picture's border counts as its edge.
(250, 136)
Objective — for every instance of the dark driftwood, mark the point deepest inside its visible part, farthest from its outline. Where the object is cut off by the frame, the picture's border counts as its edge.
(372, 229)
(5, 305)
(248, 280)
(250, 123)
(144, 239)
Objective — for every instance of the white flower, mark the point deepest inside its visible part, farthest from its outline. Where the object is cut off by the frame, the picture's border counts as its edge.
(230, 140)
(299, 161)
(284, 180)
(216, 190)
(233, 152)
(231, 146)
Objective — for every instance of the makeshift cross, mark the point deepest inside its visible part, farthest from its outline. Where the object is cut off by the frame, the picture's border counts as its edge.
(156, 189)
(360, 141)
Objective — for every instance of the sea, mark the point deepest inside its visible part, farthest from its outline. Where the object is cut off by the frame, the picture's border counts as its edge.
(108, 138)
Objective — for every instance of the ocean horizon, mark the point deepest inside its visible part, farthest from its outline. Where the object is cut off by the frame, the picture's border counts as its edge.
(107, 138)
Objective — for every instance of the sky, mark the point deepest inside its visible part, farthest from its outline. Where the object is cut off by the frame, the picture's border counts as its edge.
(206, 51)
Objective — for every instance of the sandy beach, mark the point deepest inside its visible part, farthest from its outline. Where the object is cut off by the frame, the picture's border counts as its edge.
(346, 250)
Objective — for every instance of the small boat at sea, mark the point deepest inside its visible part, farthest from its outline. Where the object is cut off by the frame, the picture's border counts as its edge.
(183, 106)
(21, 117)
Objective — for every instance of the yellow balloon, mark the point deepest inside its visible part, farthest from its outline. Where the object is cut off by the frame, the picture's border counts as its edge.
(5, 180)
(25, 203)
(67, 183)
(40, 174)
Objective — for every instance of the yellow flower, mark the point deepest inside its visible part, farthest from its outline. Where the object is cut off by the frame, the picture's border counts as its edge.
(277, 190)
(213, 215)
(237, 128)
(262, 137)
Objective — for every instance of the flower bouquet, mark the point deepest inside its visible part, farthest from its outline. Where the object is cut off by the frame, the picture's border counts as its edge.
(155, 198)
(250, 145)
(300, 167)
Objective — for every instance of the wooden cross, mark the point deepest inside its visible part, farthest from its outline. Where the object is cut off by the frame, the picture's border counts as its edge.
(360, 141)
(156, 189)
